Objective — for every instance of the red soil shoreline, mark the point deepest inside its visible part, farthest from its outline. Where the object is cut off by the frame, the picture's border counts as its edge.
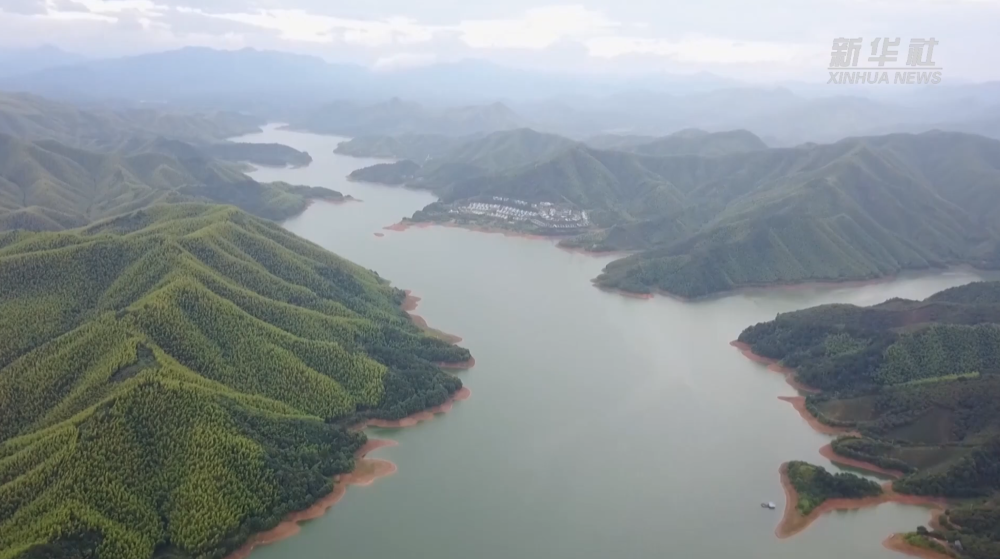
(828, 453)
(404, 225)
(365, 472)
(792, 522)
(799, 403)
(419, 417)
(896, 543)
(409, 305)
(772, 365)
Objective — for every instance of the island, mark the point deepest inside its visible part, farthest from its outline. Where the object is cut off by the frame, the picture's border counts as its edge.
(912, 387)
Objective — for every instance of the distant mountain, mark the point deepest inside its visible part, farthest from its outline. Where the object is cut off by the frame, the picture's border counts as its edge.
(14, 62)
(396, 117)
(131, 131)
(418, 147)
(468, 158)
(36, 118)
(263, 82)
(47, 185)
(685, 142)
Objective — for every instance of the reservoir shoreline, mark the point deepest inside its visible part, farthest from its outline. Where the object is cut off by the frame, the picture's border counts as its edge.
(793, 522)
(366, 470)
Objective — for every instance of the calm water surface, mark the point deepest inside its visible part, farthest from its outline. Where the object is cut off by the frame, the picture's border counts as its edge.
(599, 426)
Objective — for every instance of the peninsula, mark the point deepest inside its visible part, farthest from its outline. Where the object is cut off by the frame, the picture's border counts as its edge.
(912, 386)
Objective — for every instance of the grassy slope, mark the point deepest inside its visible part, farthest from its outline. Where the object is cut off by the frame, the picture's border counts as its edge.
(49, 186)
(920, 380)
(176, 378)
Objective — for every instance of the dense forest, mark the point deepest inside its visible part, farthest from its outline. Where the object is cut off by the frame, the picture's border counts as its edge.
(49, 186)
(178, 377)
(716, 212)
(814, 485)
(133, 131)
(920, 382)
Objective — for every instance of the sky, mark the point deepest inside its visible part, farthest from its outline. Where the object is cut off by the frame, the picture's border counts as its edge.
(760, 40)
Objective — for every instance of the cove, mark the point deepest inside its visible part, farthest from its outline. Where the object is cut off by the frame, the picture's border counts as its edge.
(599, 426)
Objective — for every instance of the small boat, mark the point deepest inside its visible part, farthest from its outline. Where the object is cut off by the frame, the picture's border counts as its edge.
(768, 505)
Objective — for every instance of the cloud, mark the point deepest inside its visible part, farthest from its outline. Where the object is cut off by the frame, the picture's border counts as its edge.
(601, 35)
(403, 60)
(299, 25)
(698, 49)
(538, 28)
(25, 7)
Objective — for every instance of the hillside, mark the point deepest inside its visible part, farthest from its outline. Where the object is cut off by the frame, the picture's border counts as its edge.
(685, 142)
(465, 159)
(395, 117)
(50, 186)
(174, 379)
(920, 381)
(30, 117)
(418, 147)
(140, 130)
(858, 209)
(861, 208)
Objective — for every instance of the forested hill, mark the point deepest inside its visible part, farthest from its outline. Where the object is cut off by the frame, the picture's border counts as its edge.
(920, 380)
(684, 142)
(30, 117)
(176, 378)
(444, 162)
(47, 185)
(859, 209)
(418, 147)
(140, 130)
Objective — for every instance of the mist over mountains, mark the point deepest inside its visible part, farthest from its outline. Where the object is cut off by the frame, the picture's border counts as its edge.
(476, 96)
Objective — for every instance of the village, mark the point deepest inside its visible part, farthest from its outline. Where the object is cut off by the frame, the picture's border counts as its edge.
(542, 214)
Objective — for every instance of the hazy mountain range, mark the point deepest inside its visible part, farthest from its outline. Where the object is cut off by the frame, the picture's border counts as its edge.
(295, 88)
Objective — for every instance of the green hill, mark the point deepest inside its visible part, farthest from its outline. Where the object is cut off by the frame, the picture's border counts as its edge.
(135, 131)
(418, 147)
(858, 209)
(920, 381)
(684, 142)
(473, 157)
(174, 379)
(49, 186)
(32, 118)
(398, 117)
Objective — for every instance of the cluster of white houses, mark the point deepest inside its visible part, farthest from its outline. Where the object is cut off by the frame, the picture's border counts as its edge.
(543, 214)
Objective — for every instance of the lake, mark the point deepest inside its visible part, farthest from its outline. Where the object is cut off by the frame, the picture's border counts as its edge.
(599, 426)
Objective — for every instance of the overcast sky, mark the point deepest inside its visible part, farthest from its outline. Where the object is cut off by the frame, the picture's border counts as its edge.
(762, 39)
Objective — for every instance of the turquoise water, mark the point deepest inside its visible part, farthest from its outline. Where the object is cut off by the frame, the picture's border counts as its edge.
(599, 426)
